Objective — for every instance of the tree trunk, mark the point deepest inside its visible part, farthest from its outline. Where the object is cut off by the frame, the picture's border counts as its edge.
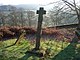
(3, 21)
(78, 16)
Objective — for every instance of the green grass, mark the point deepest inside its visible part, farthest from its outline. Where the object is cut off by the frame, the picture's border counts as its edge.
(54, 49)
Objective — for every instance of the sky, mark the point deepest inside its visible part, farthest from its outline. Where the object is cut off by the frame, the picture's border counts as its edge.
(16, 2)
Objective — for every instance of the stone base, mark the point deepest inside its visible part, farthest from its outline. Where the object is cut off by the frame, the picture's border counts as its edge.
(35, 52)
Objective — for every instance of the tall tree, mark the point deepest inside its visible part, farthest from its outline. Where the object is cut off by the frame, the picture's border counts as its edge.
(2, 18)
(75, 7)
(30, 16)
(64, 12)
(55, 15)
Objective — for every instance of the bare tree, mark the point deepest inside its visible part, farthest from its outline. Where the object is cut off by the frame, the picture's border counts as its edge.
(65, 12)
(15, 18)
(2, 18)
(74, 7)
(22, 16)
(46, 21)
(30, 16)
(56, 15)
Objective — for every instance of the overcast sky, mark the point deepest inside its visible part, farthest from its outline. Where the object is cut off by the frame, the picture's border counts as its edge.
(16, 2)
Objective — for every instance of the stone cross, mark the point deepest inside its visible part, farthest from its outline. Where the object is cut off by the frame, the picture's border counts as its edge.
(41, 11)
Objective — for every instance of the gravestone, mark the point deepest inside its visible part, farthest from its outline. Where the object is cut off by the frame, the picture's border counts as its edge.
(41, 11)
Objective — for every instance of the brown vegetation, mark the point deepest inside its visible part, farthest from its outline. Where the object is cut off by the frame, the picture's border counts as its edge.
(14, 31)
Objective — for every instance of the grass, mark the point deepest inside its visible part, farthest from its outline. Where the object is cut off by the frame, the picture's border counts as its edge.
(52, 50)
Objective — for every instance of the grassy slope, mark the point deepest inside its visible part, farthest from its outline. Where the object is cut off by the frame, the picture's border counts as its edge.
(17, 52)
